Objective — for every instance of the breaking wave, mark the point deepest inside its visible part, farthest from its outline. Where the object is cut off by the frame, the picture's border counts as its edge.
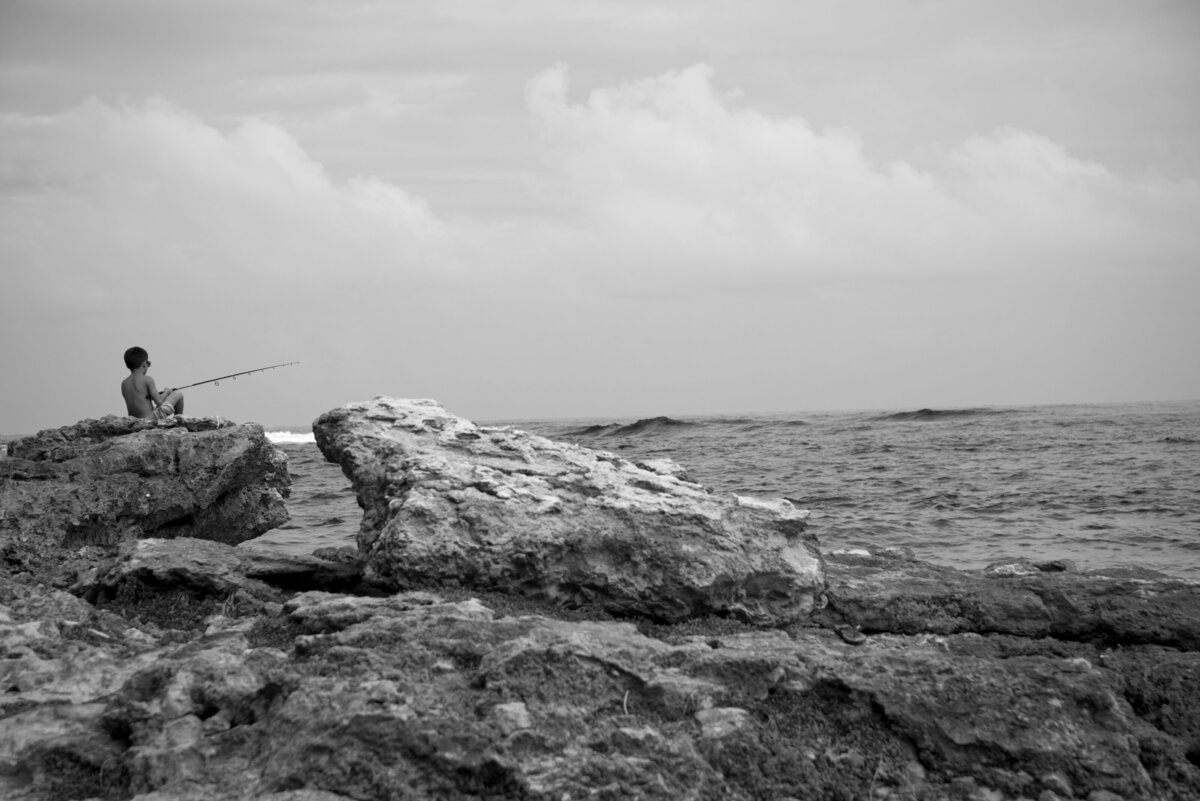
(290, 438)
(938, 414)
(643, 426)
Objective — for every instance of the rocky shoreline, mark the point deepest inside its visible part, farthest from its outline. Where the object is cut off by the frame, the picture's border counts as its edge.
(145, 660)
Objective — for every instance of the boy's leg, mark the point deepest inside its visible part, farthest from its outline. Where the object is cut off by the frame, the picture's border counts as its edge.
(176, 400)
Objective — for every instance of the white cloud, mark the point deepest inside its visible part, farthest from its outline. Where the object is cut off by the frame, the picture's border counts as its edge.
(668, 173)
(660, 184)
(105, 195)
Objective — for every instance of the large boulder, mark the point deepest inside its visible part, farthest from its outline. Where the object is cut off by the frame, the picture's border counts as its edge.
(100, 482)
(447, 502)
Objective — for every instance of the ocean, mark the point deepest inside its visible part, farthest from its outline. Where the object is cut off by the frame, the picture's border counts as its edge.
(1102, 485)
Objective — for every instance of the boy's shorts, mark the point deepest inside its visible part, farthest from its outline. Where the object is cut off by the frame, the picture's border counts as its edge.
(163, 411)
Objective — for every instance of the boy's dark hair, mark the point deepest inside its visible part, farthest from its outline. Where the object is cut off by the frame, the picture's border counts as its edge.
(135, 357)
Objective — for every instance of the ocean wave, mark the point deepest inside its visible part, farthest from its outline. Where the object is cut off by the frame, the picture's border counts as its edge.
(290, 438)
(599, 429)
(753, 426)
(643, 426)
(938, 414)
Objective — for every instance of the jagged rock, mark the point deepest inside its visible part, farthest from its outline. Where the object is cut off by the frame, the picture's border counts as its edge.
(46, 639)
(114, 479)
(888, 591)
(416, 696)
(411, 696)
(448, 502)
(1162, 685)
(209, 569)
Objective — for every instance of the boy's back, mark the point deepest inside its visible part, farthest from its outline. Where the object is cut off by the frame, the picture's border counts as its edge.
(136, 391)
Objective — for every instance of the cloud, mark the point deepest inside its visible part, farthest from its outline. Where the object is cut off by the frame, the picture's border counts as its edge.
(102, 197)
(659, 185)
(671, 175)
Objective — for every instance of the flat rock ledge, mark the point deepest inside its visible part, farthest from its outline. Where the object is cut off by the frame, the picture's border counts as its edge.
(223, 683)
(101, 482)
(889, 591)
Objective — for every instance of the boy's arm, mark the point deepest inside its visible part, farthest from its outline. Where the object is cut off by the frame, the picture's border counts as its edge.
(153, 393)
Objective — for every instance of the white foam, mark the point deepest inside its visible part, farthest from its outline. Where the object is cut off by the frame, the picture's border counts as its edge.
(288, 438)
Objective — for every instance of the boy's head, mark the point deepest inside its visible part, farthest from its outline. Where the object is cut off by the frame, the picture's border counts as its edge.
(135, 357)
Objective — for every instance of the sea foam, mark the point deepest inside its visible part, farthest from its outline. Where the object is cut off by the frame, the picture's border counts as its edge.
(289, 438)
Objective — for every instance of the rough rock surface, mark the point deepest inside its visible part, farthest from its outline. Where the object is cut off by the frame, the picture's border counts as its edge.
(449, 502)
(423, 696)
(189, 670)
(102, 481)
(889, 591)
(249, 577)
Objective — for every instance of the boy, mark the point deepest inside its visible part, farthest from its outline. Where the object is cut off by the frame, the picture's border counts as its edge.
(142, 397)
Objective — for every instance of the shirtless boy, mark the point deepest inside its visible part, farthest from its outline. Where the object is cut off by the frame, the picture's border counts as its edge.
(142, 398)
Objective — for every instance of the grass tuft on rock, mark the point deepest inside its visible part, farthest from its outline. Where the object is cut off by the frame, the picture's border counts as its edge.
(274, 631)
(168, 608)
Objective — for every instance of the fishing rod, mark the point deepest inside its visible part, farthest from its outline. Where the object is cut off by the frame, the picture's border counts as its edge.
(216, 381)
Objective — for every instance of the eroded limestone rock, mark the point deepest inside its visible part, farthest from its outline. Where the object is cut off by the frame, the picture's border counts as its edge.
(114, 479)
(889, 591)
(417, 696)
(449, 502)
(209, 569)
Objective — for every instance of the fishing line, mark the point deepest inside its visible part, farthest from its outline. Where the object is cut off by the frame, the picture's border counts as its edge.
(216, 381)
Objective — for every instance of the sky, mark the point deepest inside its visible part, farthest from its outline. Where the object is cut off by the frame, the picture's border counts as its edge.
(543, 209)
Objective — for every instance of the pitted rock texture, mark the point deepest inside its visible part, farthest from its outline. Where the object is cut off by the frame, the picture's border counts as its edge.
(249, 576)
(417, 696)
(447, 502)
(101, 482)
(889, 591)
